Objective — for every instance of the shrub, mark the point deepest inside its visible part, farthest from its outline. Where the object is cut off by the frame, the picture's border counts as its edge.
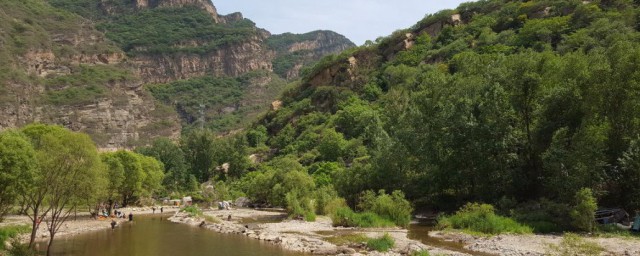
(11, 232)
(346, 217)
(322, 197)
(381, 244)
(332, 206)
(544, 216)
(20, 249)
(298, 207)
(192, 210)
(582, 212)
(572, 244)
(393, 207)
(481, 218)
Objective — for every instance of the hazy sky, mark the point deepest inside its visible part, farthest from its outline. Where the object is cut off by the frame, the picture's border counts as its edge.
(359, 20)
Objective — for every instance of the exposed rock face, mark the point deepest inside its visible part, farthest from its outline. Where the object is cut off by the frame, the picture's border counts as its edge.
(124, 114)
(232, 60)
(305, 49)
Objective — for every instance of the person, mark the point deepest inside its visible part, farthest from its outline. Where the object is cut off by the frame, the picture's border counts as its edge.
(229, 217)
(161, 209)
(113, 224)
(153, 209)
(130, 216)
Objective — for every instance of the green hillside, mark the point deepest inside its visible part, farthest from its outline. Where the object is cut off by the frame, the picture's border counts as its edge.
(506, 102)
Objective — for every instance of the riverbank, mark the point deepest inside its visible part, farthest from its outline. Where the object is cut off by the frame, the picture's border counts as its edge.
(79, 223)
(301, 236)
(534, 245)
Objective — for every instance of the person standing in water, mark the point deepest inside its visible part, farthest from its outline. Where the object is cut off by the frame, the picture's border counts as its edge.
(153, 209)
(161, 209)
(113, 224)
(130, 216)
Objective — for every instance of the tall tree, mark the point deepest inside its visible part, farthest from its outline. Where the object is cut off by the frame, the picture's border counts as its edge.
(69, 173)
(17, 168)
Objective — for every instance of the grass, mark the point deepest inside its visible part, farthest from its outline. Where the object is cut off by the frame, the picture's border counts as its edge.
(573, 244)
(381, 244)
(347, 239)
(481, 218)
(346, 217)
(421, 253)
(611, 230)
(10, 232)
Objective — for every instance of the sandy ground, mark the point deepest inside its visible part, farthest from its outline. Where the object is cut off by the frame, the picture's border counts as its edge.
(535, 244)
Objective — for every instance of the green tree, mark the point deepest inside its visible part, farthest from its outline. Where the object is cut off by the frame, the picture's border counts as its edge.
(177, 177)
(115, 178)
(69, 173)
(17, 168)
(199, 150)
(582, 212)
(134, 175)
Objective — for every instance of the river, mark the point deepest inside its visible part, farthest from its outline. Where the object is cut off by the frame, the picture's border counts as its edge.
(155, 235)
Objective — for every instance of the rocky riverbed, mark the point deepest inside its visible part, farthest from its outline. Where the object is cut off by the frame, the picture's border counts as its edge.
(534, 245)
(298, 235)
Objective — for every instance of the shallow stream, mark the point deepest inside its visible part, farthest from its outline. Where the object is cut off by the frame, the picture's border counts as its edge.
(155, 235)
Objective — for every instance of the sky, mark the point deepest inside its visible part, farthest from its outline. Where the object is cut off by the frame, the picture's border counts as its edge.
(358, 20)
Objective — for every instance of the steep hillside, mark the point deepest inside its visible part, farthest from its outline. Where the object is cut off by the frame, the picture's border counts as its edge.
(56, 68)
(495, 99)
(295, 51)
(89, 73)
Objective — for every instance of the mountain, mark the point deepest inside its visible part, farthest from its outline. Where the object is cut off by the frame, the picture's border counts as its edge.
(495, 101)
(113, 68)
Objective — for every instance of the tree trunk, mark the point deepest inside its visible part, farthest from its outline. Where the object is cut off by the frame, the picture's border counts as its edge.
(34, 227)
(50, 243)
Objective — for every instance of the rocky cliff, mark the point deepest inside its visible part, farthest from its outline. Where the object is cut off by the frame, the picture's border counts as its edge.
(86, 65)
(58, 69)
(295, 51)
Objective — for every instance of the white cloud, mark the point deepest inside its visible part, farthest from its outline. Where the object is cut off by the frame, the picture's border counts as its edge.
(359, 20)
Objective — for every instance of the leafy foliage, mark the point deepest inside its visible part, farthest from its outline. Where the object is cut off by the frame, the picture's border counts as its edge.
(481, 218)
(162, 30)
(381, 244)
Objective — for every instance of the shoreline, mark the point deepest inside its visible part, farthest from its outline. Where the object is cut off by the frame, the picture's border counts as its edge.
(301, 236)
(76, 225)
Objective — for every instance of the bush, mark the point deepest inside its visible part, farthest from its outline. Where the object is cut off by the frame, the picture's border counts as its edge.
(322, 197)
(11, 232)
(20, 249)
(346, 217)
(481, 218)
(544, 216)
(299, 207)
(572, 244)
(582, 212)
(193, 211)
(393, 207)
(381, 244)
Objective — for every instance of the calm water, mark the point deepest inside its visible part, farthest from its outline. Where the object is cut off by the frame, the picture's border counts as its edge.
(154, 235)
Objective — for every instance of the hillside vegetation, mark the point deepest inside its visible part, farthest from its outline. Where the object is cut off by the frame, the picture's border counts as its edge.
(517, 104)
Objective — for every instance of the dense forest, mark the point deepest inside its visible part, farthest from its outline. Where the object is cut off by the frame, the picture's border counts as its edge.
(532, 107)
